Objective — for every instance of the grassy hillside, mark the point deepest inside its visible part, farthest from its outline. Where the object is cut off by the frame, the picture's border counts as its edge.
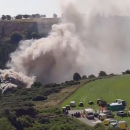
(117, 87)
(37, 108)
(109, 89)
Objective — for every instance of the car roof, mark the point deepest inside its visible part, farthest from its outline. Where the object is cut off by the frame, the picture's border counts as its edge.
(120, 111)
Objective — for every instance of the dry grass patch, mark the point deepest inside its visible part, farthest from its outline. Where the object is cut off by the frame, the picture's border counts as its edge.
(56, 98)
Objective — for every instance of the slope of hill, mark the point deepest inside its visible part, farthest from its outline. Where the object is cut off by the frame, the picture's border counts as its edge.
(37, 108)
(109, 89)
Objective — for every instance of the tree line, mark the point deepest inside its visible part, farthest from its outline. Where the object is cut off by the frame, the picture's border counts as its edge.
(77, 76)
(25, 16)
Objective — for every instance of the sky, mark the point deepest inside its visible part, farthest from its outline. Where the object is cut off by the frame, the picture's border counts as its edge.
(14, 7)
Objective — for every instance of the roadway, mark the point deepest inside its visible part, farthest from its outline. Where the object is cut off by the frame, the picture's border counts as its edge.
(85, 120)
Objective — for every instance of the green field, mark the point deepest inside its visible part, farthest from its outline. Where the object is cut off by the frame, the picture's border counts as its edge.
(109, 89)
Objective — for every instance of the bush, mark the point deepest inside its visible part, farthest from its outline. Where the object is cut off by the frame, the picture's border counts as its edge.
(99, 126)
(126, 72)
(43, 120)
(76, 77)
(5, 124)
(72, 82)
(25, 111)
(91, 76)
(84, 77)
(16, 37)
(102, 73)
(39, 98)
(23, 92)
(25, 121)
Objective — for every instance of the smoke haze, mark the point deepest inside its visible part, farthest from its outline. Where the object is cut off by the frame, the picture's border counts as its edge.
(81, 43)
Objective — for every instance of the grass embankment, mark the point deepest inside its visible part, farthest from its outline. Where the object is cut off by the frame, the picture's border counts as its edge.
(57, 99)
(109, 89)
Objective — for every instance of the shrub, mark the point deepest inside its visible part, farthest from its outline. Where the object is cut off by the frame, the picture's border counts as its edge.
(91, 76)
(5, 124)
(16, 37)
(25, 121)
(25, 111)
(76, 77)
(23, 92)
(84, 77)
(39, 98)
(43, 120)
(102, 73)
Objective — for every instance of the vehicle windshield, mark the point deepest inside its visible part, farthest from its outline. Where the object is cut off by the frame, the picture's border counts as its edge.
(90, 113)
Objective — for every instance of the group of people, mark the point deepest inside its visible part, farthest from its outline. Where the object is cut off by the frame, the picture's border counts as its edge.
(78, 114)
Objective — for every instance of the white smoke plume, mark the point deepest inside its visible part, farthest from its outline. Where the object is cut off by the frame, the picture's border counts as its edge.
(80, 43)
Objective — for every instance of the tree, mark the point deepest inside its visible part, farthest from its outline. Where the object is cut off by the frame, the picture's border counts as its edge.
(37, 15)
(8, 17)
(76, 77)
(19, 16)
(26, 16)
(126, 72)
(84, 77)
(33, 15)
(102, 73)
(3, 17)
(44, 16)
(15, 37)
(55, 15)
(91, 76)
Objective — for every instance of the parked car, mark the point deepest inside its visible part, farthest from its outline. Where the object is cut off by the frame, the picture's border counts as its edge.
(110, 121)
(121, 113)
(113, 123)
(109, 114)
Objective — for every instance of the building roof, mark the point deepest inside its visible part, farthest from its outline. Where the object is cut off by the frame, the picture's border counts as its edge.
(115, 104)
(72, 102)
(102, 114)
(89, 109)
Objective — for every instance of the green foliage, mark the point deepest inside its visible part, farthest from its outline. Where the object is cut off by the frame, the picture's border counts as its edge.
(15, 37)
(84, 77)
(25, 121)
(76, 77)
(39, 98)
(107, 89)
(102, 73)
(5, 50)
(5, 124)
(91, 76)
(126, 72)
(113, 128)
(99, 126)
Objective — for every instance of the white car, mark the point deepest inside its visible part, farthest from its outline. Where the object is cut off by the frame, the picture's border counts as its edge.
(113, 123)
